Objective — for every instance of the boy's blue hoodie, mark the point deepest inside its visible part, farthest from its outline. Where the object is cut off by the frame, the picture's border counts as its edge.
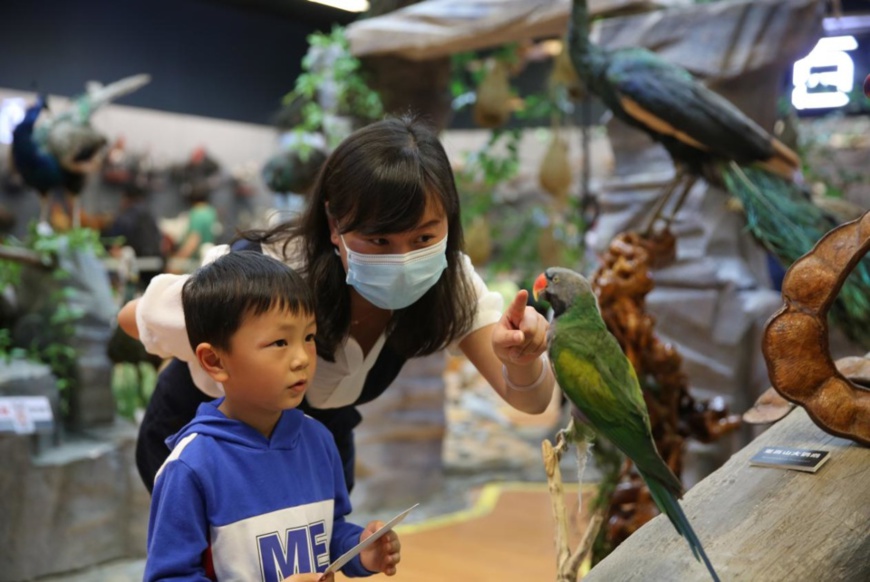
(230, 504)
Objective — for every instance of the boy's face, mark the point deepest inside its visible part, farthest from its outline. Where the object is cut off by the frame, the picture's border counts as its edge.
(270, 364)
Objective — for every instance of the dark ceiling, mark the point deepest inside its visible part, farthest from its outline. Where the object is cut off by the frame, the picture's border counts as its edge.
(313, 14)
(228, 59)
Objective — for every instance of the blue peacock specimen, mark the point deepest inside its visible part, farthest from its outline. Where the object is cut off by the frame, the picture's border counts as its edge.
(37, 167)
(708, 137)
(62, 150)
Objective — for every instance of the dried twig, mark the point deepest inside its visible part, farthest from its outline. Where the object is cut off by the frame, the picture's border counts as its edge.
(567, 563)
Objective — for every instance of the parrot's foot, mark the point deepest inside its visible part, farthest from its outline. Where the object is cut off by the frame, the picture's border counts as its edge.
(575, 433)
(563, 440)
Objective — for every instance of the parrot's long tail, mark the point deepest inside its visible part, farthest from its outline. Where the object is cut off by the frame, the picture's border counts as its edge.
(669, 505)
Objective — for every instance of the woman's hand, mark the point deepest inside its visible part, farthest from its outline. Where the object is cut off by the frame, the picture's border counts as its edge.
(384, 554)
(520, 336)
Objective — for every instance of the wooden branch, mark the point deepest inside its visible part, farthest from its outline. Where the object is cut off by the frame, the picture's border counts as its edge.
(557, 492)
(567, 563)
(759, 523)
(585, 546)
(25, 257)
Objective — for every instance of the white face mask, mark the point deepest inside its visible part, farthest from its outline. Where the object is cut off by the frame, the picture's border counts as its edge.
(396, 281)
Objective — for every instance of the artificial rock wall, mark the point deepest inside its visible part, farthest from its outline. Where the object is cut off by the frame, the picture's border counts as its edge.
(713, 301)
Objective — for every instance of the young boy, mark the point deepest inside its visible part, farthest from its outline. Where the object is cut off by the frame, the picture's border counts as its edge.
(253, 488)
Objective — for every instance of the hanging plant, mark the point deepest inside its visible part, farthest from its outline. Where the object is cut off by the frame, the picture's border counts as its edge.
(563, 74)
(478, 241)
(493, 105)
(555, 171)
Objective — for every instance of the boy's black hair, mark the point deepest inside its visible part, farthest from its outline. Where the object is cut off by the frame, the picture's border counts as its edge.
(220, 295)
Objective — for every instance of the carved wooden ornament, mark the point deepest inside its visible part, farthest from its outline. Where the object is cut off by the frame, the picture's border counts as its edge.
(795, 343)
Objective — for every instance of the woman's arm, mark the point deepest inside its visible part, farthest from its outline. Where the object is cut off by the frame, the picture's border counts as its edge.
(157, 318)
(508, 354)
(127, 318)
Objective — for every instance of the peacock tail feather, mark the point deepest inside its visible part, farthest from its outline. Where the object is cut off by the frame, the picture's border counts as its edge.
(784, 220)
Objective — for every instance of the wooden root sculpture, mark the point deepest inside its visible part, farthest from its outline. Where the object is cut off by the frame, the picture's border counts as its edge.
(795, 343)
(622, 283)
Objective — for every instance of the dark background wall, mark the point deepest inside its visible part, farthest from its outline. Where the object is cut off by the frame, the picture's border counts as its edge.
(218, 58)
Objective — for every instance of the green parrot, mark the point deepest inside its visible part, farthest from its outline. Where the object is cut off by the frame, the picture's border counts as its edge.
(594, 373)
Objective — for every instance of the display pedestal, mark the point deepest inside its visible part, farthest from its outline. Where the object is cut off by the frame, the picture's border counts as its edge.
(759, 523)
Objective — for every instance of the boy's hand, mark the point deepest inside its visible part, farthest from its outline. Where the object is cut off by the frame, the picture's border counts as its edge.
(384, 554)
(313, 577)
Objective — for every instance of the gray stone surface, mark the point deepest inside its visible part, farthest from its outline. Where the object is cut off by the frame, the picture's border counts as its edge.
(72, 506)
(721, 39)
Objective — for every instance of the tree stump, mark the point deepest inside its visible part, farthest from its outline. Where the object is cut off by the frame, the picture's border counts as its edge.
(759, 523)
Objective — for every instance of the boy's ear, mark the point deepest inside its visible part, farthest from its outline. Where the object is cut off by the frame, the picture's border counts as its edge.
(209, 358)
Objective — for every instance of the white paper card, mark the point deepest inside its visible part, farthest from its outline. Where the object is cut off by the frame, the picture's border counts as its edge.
(351, 553)
(25, 414)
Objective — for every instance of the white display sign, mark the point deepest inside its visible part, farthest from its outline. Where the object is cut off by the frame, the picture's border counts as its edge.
(25, 414)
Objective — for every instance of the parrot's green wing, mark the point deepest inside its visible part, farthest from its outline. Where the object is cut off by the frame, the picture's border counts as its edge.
(595, 374)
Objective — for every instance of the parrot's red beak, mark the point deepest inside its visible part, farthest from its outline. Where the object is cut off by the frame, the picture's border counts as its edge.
(540, 285)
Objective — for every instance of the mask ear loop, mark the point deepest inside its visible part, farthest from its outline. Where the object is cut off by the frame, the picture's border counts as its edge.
(329, 217)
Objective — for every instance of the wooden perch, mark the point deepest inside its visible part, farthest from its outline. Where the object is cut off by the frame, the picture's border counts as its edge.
(759, 523)
(567, 562)
(25, 257)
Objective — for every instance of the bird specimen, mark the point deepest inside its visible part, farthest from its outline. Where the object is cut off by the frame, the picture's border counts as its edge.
(37, 167)
(60, 151)
(708, 137)
(595, 374)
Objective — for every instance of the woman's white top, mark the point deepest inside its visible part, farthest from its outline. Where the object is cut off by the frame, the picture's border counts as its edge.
(160, 319)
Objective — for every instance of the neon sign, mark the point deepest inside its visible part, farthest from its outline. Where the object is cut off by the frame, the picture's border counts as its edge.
(825, 77)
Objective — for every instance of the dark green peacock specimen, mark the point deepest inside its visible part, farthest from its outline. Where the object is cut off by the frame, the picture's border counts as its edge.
(708, 137)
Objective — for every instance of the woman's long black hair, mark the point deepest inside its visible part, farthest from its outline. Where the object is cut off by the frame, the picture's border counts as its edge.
(379, 181)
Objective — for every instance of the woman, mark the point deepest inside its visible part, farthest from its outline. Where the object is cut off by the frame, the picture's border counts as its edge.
(381, 246)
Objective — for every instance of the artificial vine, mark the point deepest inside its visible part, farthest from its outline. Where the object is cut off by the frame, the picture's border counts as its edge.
(329, 65)
(55, 349)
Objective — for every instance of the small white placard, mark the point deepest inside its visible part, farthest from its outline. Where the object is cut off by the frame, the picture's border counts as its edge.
(806, 460)
(25, 414)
